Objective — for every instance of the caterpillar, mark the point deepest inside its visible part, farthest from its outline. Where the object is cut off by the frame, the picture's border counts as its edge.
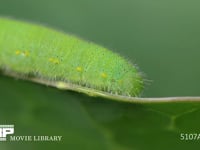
(43, 55)
(32, 50)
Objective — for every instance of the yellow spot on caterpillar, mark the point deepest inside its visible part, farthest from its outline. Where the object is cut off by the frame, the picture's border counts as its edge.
(120, 81)
(25, 53)
(103, 75)
(79, 69)
(22, 53)
(54, 60)
(17, 52)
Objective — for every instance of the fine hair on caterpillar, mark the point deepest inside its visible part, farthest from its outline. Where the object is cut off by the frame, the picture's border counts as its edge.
(39, 54)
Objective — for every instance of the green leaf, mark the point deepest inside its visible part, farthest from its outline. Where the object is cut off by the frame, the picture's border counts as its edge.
(93, 123)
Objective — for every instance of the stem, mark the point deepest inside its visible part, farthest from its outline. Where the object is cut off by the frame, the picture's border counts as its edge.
(95, 93)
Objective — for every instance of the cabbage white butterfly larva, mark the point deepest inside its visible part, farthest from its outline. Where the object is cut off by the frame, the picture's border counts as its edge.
(60, 58)
(46, 56)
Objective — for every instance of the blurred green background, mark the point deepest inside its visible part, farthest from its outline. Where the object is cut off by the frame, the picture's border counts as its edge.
(160, 36)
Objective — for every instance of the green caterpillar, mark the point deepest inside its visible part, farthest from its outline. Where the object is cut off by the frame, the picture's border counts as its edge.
(47, 56)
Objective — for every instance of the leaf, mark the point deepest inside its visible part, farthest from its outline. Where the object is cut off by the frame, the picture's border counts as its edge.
(93, 123)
